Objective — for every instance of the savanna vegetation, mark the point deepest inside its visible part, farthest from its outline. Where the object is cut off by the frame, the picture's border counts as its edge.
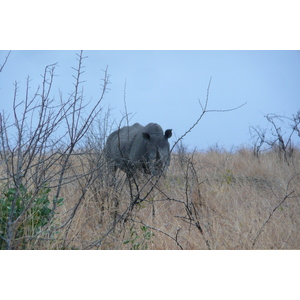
(56, 191)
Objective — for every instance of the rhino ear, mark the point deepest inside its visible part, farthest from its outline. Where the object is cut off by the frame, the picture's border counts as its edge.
(146, 136)
(168, 133)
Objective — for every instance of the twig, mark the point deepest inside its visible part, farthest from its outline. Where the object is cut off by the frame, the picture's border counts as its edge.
(175, 239)
(5, 61)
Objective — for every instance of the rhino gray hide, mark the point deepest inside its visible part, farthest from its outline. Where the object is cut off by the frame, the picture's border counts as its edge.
(137, 147)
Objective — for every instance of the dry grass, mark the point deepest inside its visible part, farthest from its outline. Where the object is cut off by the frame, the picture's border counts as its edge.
(212, 200)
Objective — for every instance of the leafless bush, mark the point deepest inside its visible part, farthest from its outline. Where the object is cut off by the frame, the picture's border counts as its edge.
(38, 157)
(259, 139)
(277, 138)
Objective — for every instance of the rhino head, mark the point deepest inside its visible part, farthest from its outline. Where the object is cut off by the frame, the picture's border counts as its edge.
(157, 157)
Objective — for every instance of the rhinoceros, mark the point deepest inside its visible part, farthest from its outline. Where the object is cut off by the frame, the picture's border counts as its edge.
(139, 148)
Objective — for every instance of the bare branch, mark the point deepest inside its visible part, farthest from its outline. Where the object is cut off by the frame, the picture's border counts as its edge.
(175, 239)
(5, 61)
(203, 112)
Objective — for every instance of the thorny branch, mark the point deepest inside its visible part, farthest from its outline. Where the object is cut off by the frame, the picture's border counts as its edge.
(204, 111)
(40, 155)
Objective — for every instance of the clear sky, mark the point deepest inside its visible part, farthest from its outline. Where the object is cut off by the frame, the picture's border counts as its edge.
(165, 86)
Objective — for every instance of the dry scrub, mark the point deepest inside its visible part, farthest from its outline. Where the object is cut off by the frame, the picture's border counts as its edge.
(212, 200)
(55, 190)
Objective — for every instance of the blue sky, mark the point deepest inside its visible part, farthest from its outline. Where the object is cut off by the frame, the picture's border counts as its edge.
(164, 87)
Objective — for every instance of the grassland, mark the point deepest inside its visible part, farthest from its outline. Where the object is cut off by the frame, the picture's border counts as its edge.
(209, 200)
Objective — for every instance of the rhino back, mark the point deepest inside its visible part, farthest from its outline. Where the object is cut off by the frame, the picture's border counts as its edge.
(119, 145)
(153, 128)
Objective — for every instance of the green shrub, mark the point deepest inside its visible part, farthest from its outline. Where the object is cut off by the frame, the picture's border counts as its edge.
(139, 241)
(31, 211)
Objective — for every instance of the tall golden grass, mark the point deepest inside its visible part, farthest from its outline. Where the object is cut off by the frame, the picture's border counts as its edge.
(211, 200)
